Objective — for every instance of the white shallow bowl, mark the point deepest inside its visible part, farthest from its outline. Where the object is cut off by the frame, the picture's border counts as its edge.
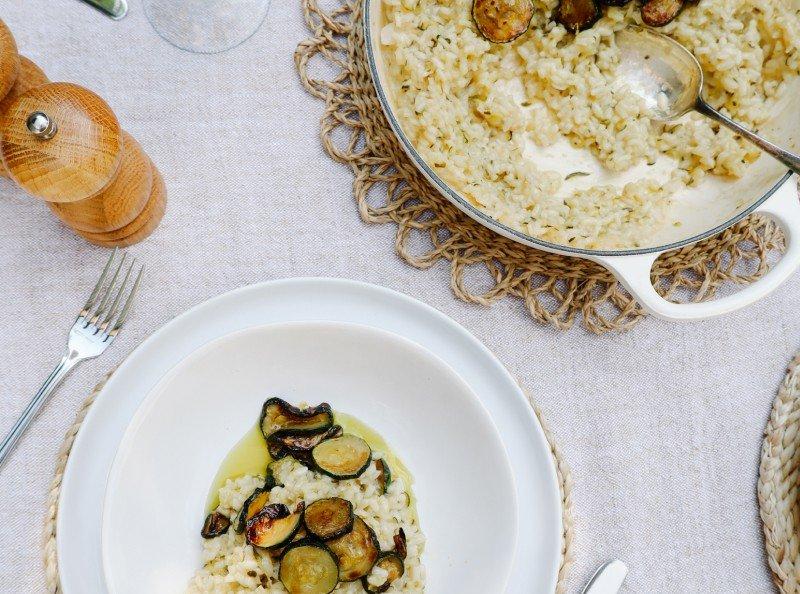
(299, 300)
(156, 493)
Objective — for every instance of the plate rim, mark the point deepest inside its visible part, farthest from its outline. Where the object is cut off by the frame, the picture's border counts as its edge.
(341, 286)
(158, 391)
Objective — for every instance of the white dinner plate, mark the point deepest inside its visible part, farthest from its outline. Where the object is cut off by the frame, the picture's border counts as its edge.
(157, 490)
(535, 568)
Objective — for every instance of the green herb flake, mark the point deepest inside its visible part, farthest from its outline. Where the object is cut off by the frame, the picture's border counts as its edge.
(576, 174)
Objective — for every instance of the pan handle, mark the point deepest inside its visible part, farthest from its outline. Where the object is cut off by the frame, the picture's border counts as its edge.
(634, 271)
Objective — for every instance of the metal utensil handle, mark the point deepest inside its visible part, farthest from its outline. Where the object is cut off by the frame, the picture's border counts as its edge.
(791, 160)
(116, 9)
(68, 361)
(608, 579)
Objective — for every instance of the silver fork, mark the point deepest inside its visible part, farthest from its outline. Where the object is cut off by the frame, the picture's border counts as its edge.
(95, 328)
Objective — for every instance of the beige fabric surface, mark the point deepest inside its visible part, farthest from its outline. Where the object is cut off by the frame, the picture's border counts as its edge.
(661, 426)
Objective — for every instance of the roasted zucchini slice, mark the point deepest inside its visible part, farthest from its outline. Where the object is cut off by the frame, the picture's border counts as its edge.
(216, 524)
(384, 475)
(356, 551)
(308, 567)
(577, 15)
(303, 457)
(276, 450)
(501, 21)
(252, 505)
(289, 442)
(279, 415)
(271, 482)
(342, 457)
(329, 518)
(400, 543)
(658, 13)
(614, 2)
(393, 564)
(274, 526)
(301, 534)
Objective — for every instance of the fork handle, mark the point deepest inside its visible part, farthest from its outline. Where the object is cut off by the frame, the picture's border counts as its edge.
(68, 361)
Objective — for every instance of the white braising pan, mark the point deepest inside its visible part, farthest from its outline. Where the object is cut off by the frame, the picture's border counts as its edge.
(698, 213)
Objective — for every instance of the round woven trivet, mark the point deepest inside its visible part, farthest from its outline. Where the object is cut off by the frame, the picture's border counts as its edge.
(778, 484)
(51, 560)
(389, 189)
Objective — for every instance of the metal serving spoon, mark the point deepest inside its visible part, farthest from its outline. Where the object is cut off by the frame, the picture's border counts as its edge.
(670, 80)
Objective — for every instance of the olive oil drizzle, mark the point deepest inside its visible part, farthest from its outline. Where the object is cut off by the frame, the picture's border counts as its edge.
(378, 444)
(250, 456)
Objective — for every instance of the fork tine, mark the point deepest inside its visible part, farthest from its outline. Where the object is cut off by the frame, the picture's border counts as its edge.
(127, 307)
(109, 290)
(98, 286)
(115, 305)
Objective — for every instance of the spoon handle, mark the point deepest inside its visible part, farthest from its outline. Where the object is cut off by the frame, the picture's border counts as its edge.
(791, 160)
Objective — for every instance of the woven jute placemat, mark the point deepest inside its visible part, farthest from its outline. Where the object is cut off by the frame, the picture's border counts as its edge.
(778, 488)
(51, 559)
(388, 189)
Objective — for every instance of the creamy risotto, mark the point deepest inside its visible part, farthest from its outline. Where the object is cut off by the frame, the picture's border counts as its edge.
(478, 112)
(230, 565)
(329, 516)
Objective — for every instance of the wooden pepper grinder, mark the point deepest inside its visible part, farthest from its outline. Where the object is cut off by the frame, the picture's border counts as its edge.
(63, 144)
(9, 60)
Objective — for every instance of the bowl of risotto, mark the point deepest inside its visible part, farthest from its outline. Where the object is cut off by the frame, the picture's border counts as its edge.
(537, 139)
(310, 458)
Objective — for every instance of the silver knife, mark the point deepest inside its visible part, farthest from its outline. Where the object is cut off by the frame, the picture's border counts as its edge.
(608, 579)
(116, 9)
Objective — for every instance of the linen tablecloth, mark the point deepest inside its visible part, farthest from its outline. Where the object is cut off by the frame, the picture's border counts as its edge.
(661, 426)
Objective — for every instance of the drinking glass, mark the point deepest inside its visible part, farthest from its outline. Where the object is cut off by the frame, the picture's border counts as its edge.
(206, 26)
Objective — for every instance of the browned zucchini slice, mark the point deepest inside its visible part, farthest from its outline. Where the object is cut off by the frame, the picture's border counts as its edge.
(577, 15)
(271, 482)
(273, 526)
(392, 563)
(501, 21)
(658, 13)
(300, 535)
(276, 450)
(308, 567)
(342, 457)
(384, 475)
(614, 2)
(279, 415)
(329, 518)
(400, 543)
(216, 524)
(303, 457)
(356, 551)
(289, 442)
(252, 505)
